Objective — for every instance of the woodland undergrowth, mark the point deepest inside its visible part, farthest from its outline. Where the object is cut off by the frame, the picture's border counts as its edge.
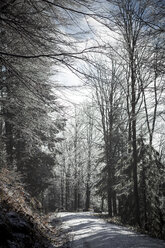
(14, 199)
(117, 221)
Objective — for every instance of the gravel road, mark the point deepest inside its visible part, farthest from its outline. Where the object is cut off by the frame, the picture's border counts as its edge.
(91, 232)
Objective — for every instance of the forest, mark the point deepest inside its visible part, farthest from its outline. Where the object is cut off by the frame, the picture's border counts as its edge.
(82, 107)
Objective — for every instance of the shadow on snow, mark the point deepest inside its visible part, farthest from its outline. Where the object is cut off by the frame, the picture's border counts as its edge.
(91, 232)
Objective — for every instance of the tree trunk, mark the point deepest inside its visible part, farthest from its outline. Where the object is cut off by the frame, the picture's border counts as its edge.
(75, 199)
(87, 202)
(62, 188)
(9, 141)
(134, 146)
(102, 203)
(67, 193)
(109, 202)
(114, 204)
(109, 190)
(79, 201)
(144, 196)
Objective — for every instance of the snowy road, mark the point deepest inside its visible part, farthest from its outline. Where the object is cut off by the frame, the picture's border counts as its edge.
(91, 232)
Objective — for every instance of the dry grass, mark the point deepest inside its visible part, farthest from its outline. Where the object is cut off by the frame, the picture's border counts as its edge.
(13, 197)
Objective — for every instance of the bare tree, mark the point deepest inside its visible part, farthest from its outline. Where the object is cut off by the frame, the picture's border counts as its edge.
(108, 98)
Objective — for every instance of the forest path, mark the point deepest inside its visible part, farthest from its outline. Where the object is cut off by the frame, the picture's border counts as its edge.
(91, 232)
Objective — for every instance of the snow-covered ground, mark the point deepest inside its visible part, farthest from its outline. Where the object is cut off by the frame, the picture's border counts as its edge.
(91, 232)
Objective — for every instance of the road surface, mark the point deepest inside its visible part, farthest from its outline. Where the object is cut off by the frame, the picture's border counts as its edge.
(91, 232)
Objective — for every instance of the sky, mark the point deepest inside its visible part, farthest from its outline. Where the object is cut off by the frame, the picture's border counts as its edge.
(89, 33)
